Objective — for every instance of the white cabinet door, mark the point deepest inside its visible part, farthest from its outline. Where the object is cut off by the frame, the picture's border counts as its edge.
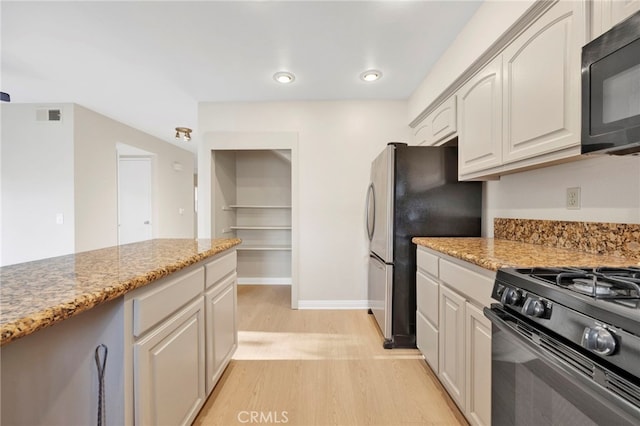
(169, 380)
(607, 13)
(427, 341)
(438, 126)
(422, 133)
(427, 297)
(452, 354)
(443, 121)
(541, 85)
(222, 329)
(478, 349)
(480, 120)
(427, 302)
(621, 10)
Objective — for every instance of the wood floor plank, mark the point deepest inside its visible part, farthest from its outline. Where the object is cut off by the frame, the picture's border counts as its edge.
(320, 367)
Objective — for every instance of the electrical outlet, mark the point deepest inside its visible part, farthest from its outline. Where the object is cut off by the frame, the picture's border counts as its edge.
(573, 198)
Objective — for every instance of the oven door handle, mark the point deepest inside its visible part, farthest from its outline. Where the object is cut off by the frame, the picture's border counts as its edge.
(508, 323)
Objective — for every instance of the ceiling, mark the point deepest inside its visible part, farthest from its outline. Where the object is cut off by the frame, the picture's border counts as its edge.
(149, 63)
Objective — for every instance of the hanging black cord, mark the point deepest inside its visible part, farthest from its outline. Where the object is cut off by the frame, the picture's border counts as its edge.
(102, 415)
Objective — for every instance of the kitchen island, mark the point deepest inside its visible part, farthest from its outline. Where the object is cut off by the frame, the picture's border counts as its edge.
(136, 299)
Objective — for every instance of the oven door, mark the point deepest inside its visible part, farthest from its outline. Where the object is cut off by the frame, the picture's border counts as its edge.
(538, 380)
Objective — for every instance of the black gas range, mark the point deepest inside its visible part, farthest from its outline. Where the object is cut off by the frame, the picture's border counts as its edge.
(580, 328)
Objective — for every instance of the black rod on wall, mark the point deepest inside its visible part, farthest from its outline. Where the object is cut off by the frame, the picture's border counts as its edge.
(4, 97)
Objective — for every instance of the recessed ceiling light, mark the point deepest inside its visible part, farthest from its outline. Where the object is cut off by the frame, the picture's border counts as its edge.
(370, 75)
(284, 77)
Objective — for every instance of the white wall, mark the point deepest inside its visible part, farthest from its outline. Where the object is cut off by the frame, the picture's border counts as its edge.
(610, 192)
(96, 138)
(491, 20)
(70, 168)
(37, 183)
(337, 142)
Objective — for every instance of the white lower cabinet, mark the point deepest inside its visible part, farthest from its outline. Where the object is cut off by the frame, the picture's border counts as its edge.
(452, 350)
(222, 330)
(457, 344)
(427, 319)
(170, 375)
(182, 332)
(478, 365)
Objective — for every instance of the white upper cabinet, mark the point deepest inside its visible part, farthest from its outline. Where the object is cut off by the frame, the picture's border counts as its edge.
(519, 104)
(439, 126)
(607, 13)
(480, 120)
(422, 133)
(541, 77)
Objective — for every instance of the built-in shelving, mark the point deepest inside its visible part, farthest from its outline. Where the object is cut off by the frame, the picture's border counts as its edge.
(252, 200)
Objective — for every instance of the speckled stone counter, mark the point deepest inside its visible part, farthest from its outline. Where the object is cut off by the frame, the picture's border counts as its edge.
(493, 253)
(38, 294)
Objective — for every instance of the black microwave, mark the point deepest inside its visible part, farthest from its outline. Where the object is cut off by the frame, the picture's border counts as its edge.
(611, 91)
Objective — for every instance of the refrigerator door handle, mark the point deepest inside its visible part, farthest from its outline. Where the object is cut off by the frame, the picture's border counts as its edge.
(371, 211)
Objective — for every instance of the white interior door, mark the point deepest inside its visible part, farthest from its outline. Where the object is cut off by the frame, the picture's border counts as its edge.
(134, 199)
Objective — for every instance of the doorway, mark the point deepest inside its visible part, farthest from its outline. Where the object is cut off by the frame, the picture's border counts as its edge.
(211, 210)
(134, 199)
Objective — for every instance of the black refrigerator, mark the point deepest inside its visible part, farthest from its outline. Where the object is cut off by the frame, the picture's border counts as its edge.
(414, 192)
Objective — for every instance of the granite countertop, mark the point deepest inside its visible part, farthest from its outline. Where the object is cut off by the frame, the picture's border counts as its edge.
(493, 253)
(38, 294)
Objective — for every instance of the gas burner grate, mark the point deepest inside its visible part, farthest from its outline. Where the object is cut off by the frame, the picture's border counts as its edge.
(602, 283)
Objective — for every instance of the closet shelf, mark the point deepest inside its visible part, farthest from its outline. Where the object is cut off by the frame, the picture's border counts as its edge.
(247, 206)
(239, 227)
(263, 247)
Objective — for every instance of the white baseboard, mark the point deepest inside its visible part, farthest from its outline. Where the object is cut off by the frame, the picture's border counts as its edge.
(333, 304)
(264, 281)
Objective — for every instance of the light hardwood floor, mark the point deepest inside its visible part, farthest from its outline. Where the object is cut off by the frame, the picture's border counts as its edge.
(324, 367)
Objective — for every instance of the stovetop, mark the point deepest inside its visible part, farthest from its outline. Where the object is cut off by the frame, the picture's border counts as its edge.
(595, 311)
(601, 283)
(610, 295)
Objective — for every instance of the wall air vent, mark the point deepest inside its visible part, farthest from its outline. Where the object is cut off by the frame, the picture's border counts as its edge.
(48, 115)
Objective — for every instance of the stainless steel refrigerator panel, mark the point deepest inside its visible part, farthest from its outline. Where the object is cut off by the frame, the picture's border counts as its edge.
(380, 290)
(380, 203)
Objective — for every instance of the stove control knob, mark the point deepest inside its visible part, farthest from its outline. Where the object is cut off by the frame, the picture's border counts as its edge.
(533, 308)
(511, 297)
(599, 340)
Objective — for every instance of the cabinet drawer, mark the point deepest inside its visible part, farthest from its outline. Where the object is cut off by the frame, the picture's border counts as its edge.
(427, 261)
(427, 297)
(220, 268)
(163, 299)
(427, 341)
(471, 284)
